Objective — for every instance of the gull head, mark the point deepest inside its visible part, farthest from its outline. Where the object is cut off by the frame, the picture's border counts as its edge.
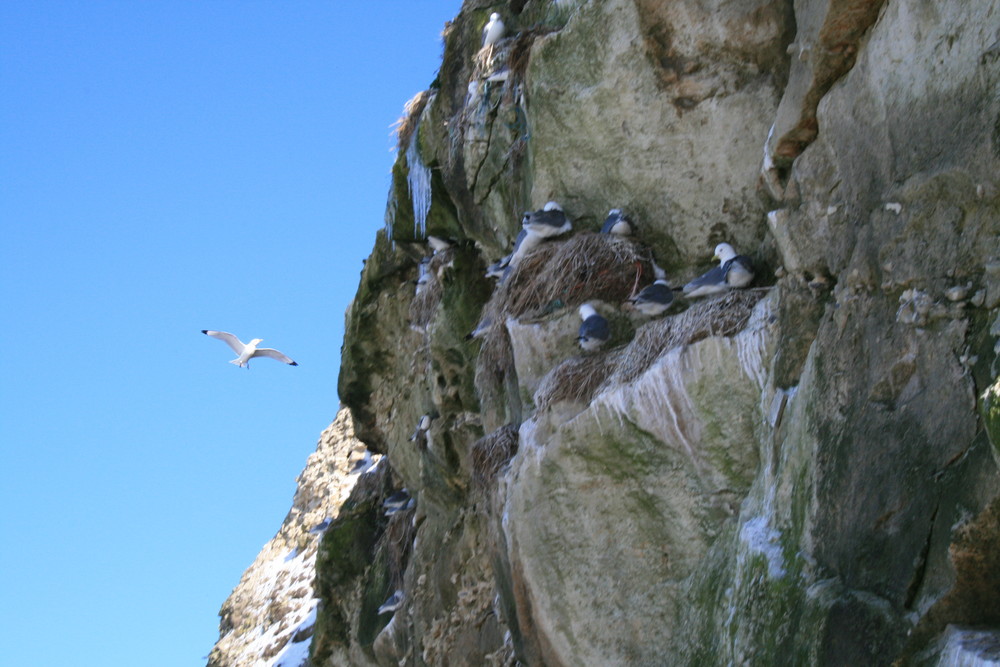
(257, 341)
(586, 310)
(724, 252)
(494, 16)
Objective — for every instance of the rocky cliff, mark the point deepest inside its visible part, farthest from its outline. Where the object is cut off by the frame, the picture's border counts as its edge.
(805, 472)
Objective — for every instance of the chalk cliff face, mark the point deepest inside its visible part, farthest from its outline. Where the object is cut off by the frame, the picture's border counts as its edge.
(801, 473)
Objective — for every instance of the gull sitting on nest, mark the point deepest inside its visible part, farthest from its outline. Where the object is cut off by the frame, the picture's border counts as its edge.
(247, 351)
(734, 271)
(654, 299)
(594, 330)
(550, 221)
(617, 223)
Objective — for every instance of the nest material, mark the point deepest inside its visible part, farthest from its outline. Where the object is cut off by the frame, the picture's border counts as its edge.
(397, 541)
(726, 315)
(494, 363)
(580, 379)
(576, 379)
(557, 274)
(428, 296)
(490, 453)
(567, 273)
(408, 122)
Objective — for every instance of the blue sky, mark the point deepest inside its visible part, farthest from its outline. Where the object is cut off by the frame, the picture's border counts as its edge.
(167, 167)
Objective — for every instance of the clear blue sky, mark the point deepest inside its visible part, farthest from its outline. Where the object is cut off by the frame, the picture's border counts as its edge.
(167, 167)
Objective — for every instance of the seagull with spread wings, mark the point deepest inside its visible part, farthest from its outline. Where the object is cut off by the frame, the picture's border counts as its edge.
(247, 351)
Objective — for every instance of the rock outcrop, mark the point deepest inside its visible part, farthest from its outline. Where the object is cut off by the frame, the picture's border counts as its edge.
(270, 616)
(801, 473)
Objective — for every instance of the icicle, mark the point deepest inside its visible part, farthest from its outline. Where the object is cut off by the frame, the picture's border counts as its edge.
(418, 179)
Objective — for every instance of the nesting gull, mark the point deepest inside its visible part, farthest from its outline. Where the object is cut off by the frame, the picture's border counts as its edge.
(550, 221)
(438, 244)
(320, 527)
(423, 274)
(396, 502)
(525, 242)
(733, 271)
(423, 425)
(617, 223)
(493, 31)
(394, 602)
(594, 330)
(654, 299)
(481, 329)
(247, 351)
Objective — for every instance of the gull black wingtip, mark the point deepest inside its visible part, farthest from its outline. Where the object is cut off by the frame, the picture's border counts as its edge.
(204, 331)
(294, 363)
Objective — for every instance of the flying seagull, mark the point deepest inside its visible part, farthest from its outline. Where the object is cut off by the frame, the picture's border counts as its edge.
(617, 223)
(247, 351)
(493, 30)
(733, 271)
(594, 330)
(654, 299)
(550, 221)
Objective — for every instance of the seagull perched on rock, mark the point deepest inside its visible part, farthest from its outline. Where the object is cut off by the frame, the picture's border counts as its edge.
(550, 221)
(594, 330)
(653, 299)
(617, 223)
(247, 351)
(733, 271)
(438, 244)
(423, 425)
(493, 31)
(320, 527)
(396, 501)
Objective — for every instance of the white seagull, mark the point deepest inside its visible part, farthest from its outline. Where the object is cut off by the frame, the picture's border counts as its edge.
(493, 31)
(734, 271)
(247, 351)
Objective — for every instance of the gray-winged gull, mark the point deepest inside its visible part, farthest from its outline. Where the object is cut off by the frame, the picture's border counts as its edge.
(617, 223)
(733, 271)
(396, 501)
(394, 602)
(653, 299)
(481, 329)
(423, 425)
(550, 221)
(525, 242)
(493, 30)
(320, 527)
(247, 351)
(594, 330)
